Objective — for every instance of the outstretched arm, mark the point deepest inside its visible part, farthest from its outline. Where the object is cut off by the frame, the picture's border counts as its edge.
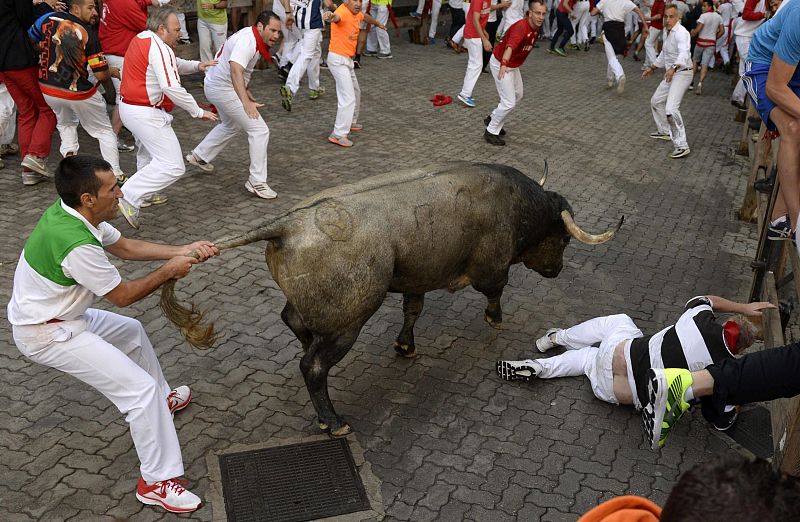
(720, 304)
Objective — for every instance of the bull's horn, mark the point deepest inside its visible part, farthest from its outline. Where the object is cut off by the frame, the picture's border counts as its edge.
(584, 237)
(544, 176)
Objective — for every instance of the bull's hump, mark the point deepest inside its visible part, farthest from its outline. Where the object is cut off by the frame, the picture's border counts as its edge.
(454, 172)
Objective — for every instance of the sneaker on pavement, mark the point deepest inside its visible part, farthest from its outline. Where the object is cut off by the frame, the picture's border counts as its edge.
(621, 85)
(560, 51)
(609, 83)
(384, 56)
(493, 139)
(286, 98)
(357, 62)
(169, 494)
(191, 159)
(547, 341)
(179, 398)
(261, 190)
(726, 421)
(154, 199)
(679, 153)
(699, 89)
(660, 136)
(469, 101)
(129, 212)
(124, 147)
(36, 164)
(666, 405)
(356, 127)
(515, 370)
(415, 14)
(342, 141)
(370, 53)
(780, 230)
(32, 178)
(431, 41)
(487, 120)
(313, 94)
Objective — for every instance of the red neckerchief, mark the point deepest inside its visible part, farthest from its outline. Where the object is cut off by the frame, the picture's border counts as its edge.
(262, 48)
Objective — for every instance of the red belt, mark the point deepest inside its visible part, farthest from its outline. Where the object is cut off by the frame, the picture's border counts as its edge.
(51, 321)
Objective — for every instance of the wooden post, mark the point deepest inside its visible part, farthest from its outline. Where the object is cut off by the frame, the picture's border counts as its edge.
(760, 163)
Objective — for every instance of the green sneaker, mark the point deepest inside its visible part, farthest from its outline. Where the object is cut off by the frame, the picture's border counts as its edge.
(314, 94)
(665, 390)
(560, 51)
(286, 98)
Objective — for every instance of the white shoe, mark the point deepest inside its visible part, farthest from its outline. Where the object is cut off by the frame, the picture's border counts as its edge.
(32, 178)
(200, 164)
(261, 190)
(36, 164)
(129, 212)
(680, 152)
(169, 494)
(621, 85)
(547, 341)
(179, 398)
(515, 370)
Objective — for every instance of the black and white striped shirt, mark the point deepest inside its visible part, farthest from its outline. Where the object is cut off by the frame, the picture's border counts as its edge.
(693, 342)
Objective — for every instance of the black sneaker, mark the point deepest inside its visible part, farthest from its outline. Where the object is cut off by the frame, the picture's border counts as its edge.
(492, 139)
(357, 62)
(765, 185)
(726, 420)
(487, 120)
(780, 230)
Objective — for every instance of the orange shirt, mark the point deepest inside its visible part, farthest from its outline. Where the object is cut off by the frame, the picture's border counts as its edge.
(344, 33)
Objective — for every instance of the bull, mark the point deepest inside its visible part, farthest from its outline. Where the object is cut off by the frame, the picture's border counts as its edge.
(336, 255)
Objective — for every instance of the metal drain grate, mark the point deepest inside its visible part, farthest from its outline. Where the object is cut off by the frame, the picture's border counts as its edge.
(292, 483)
(753, 430)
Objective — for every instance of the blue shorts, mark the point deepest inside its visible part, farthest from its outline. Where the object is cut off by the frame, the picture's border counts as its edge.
(755, 80)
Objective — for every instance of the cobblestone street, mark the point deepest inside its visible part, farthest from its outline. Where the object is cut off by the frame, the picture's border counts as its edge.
(445, 438)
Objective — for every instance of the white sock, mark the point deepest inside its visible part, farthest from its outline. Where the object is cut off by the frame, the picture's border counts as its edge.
(777, 221)
(688, 394)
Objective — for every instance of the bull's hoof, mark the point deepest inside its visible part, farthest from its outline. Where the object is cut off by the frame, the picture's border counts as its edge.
(494, 323)
(405, 350)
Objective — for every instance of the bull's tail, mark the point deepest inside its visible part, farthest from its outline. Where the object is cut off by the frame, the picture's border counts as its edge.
(191, 321)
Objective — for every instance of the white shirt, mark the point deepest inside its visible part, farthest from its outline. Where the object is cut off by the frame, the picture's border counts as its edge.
(675, 51)
(35, 299)
(615, 10)
(240, 48)
(708, 34)
(727, 12)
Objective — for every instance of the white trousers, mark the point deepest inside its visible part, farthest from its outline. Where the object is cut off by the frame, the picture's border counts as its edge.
(158, 156)
(581, 22)
(510, 90)
(474, 65)
(233, 119)
(459, 36)
(182, 21)
(8, 116)
(116, 61)
(378, 39)
(112, 354)
(743, 44)
(211, 37)
(666, 105)
(436, 6)
(650, 53)
(348, 93)
(614, 71)
(722, 46)
(310, 54)
(92, 116)
(581, 358)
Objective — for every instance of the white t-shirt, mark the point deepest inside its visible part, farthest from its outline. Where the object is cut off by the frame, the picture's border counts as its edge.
(240, 48)
(615, 10)
(727, 12)
(708, 34)
(35, 299)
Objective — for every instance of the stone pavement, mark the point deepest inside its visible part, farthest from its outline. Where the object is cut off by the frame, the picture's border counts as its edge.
(444, 436)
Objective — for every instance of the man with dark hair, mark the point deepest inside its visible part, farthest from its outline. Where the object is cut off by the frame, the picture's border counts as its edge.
(618, 368)
(150, 90)
(226, 86)
(69, 48)
(508, 57)
(19, 73)
(63, 266)
(757, 377)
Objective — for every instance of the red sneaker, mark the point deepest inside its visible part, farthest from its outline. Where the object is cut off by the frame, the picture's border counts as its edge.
(179, 398)
(169, 494)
